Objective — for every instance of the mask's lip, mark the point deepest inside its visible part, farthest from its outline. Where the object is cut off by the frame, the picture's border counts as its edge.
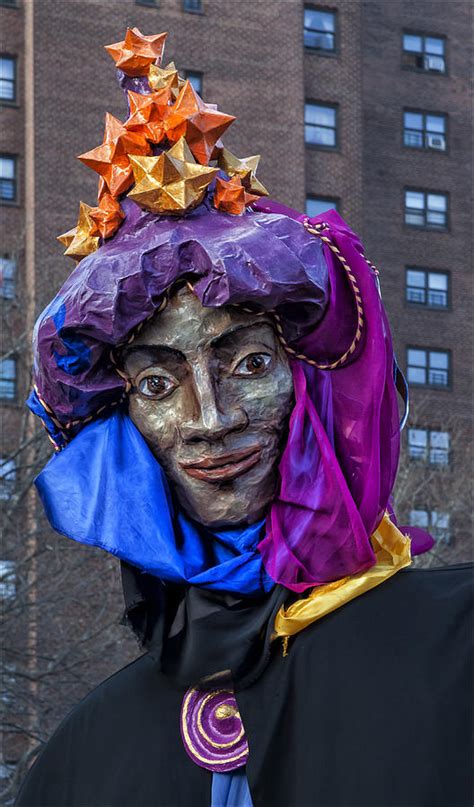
(222, 459)
(225, 467)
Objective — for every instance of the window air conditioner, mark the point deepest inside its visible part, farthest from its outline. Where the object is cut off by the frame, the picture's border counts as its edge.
(434, 63)
(436, 141)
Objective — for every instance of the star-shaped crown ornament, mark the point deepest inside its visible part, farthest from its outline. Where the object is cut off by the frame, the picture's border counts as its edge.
(167, 156)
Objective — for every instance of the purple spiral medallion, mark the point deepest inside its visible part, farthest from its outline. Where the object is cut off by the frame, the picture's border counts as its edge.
(212, 730)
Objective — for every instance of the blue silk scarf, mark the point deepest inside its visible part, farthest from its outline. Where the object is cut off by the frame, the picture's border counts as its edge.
(108, 490)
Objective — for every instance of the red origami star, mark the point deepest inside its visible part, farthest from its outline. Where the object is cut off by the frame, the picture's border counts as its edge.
(137, 52)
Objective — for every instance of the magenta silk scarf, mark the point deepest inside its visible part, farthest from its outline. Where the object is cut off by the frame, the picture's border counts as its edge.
(338, 467)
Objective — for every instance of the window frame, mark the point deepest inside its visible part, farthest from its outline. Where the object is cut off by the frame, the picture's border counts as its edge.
(424, 36)
(324, 105)
(322, 51)
(427, 306)
(424, 148)
(431, 526)
(10, 400)
(11, 282)
(8, 486)
(186, 10)
(426, 458)
(438, 387)
(199, 73)
(11, 101)
(14, 157)
(427, 227)
(334, 200)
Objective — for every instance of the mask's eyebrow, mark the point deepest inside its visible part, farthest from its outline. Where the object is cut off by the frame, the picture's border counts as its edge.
(154, 353)
(217, 341)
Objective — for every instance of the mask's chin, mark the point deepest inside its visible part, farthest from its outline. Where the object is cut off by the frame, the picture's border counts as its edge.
(227, 509)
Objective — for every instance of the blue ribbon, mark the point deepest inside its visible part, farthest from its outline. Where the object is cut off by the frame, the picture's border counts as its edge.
(107, 489)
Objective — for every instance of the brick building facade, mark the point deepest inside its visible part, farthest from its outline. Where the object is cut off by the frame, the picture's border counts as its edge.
(355, 103)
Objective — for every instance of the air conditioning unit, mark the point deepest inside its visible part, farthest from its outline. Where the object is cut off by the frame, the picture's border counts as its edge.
(436, 141)
(435, 63)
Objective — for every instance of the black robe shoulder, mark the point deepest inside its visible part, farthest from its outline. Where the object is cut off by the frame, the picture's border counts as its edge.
(370, 708)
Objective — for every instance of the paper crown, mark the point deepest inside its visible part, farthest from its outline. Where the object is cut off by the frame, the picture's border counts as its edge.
(161, 156)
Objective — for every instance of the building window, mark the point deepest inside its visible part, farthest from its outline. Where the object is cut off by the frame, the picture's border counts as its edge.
(7, 580)
(428, 446)
(195, 6)
(422, 130)
(424, 209)
(424, 53)
(319, 29)
(195, 79)
(8, 79)
(7, 178)
(8, 379)
(152, 3)
(436, 521)
(7, 277)
(320, 125)
(424, 287)
(11, 3)
(7, 478)
(320, 204)
(428, 367)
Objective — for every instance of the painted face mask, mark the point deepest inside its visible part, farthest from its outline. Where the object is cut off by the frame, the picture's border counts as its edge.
(217, 372)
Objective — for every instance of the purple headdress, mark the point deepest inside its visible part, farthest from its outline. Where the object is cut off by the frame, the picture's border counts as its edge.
(339, 464)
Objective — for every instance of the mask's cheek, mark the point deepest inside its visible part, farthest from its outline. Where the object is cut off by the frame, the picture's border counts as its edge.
(267, 401)
(156, 421)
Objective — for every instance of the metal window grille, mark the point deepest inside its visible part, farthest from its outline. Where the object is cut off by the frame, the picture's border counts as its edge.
(426, 288)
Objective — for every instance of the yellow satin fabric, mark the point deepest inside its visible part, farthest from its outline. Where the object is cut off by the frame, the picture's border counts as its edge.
(392, 552)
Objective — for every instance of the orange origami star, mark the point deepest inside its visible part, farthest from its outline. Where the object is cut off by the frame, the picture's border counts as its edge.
(201, 125)
(107, 217)
(80, 241)
(147, 113)
(244, 168)
(137, 52)
(230, 196)
(110, 160)
(173, 182)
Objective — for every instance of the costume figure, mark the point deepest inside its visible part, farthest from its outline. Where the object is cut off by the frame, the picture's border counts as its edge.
(217, 376)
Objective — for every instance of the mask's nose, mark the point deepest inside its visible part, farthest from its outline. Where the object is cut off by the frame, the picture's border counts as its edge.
(210, 418)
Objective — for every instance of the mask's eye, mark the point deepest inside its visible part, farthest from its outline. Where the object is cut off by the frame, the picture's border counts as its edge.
(253, 364)
(156, 386)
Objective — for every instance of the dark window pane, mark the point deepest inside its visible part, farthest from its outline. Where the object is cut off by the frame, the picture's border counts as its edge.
(413, 139)
(434, 45)
(7, 379)
(192, 5)
(416, 295)
(319, 29)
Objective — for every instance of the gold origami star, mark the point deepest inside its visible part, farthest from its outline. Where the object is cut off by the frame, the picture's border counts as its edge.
(173, 182)
(161, 78)
(79, 241)
(202, 124)
(137, 52)
(244, 168)
(110, 159)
